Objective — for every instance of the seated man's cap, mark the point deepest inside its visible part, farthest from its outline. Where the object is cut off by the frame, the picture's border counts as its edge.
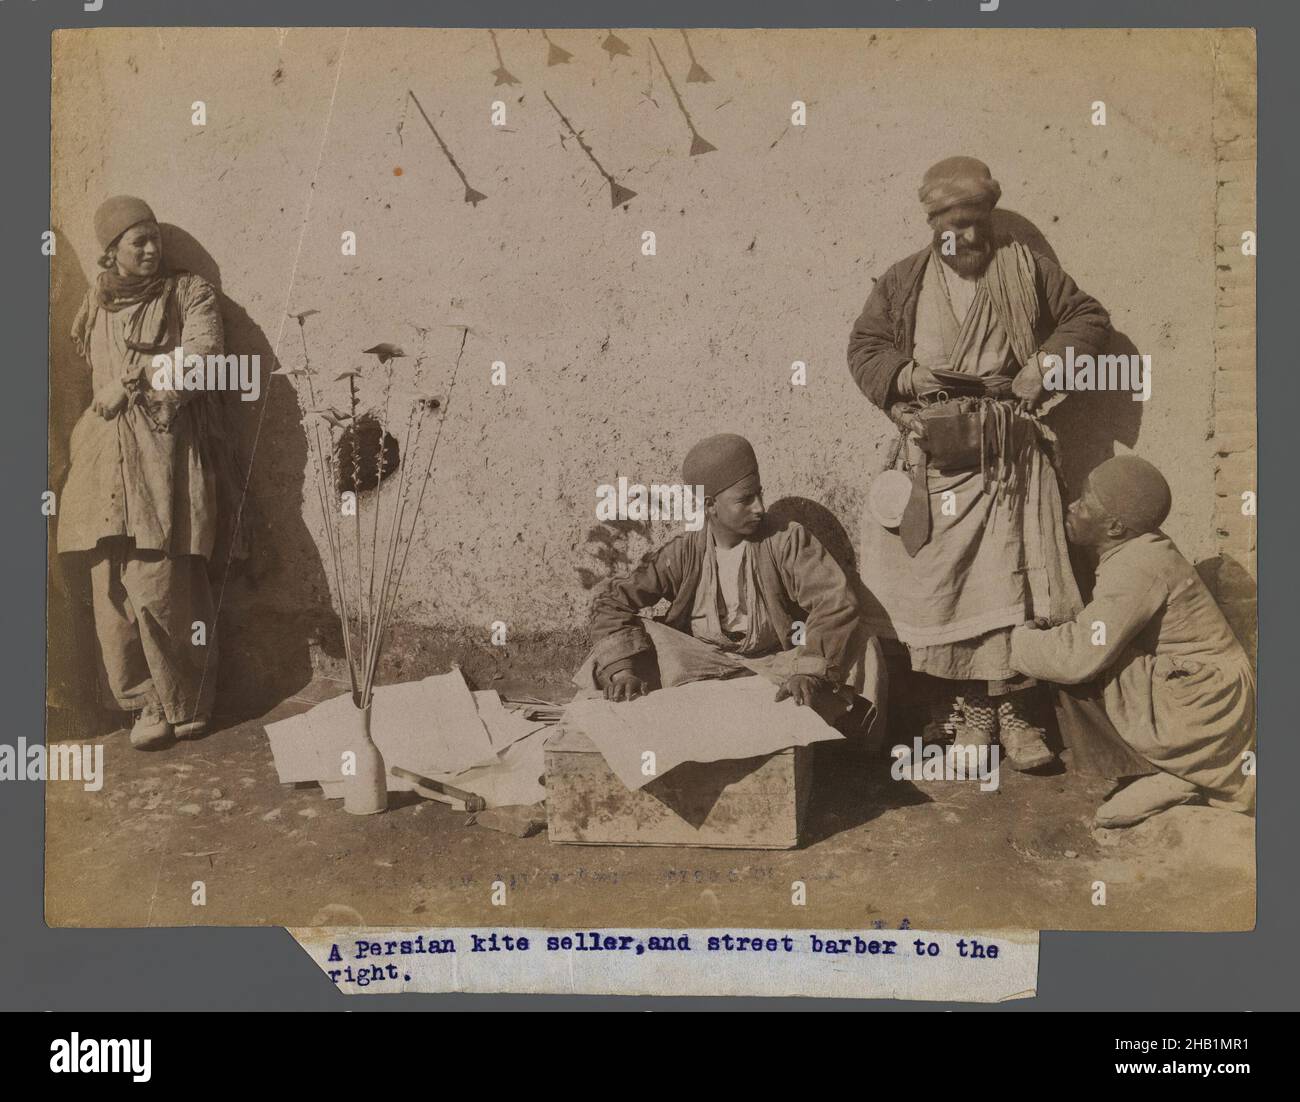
(958, 180)
(1133, 491)
(117, 215)
(718, 462)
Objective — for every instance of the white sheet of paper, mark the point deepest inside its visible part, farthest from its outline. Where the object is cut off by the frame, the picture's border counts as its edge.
(702, 721)
(431, 727)
(504, 726)
(514, 778)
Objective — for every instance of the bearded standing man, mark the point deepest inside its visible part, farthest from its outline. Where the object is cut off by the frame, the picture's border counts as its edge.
(981, 545)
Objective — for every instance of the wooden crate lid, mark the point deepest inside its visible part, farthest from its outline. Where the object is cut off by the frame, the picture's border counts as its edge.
(568, 738)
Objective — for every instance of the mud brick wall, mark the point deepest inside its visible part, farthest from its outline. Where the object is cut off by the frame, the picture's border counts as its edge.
(766, 249)
(1234, 439)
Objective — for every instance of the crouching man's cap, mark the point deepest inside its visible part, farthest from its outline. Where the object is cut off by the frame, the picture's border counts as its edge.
(1133, 492)
(718, 462)
(958, 180)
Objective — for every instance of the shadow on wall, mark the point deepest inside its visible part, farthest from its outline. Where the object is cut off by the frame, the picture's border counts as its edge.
(832, 535)
(73, 708)
(274, 603)
(608, 543)
(824, 525)
(1088, 425)
(1008, 223)
(1237, 594)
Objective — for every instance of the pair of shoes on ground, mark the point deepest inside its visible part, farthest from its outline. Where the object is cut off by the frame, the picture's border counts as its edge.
(981, 721)
(152, 729)
(1145, 797)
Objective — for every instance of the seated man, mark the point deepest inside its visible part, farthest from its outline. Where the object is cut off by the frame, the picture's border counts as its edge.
(1175, 695)
(745, 596)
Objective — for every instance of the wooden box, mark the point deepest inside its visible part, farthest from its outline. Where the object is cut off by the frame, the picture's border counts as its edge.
(753, 803)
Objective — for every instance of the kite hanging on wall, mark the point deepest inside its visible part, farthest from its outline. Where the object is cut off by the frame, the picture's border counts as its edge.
(613, 45)
(618, 194)
(471, 196)
(502, 74)
(698, 144)
(554, 54)
(698, 74)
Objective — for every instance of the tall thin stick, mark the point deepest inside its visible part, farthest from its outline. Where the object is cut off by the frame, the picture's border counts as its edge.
(369, 611)
(394, 525)
(395, 530)
(428, 470)
(326, 490)
(379, 490)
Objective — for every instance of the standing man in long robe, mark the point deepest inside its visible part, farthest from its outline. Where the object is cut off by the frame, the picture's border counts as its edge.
(974, 556)
(1167, 692)
(140, 501)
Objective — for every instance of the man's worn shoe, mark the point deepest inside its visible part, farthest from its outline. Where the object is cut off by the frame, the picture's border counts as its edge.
(979, 721)
(195, 728)
(944, 719)
(1145, 797)
(1025, 749)
(967, 734)
(151, 727)
(1022, 742)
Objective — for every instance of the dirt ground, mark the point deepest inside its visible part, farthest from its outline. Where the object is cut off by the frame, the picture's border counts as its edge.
(877, 851)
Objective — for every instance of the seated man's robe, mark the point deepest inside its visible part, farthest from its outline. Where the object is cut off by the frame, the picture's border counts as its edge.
(786, 578)
(994, 559)
(1174, 681)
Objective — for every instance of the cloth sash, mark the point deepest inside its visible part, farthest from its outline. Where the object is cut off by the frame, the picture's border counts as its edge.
(152, 324)
(1007, 294)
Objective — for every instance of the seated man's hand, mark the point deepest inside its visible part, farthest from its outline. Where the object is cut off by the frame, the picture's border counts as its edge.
(803, 687)
(624, 685)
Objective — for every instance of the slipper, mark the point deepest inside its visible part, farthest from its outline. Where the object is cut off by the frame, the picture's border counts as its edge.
(150, 728)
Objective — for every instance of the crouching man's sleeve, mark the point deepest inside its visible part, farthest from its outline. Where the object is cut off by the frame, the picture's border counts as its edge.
(1122, 605)
(617, 634)
(817, 585)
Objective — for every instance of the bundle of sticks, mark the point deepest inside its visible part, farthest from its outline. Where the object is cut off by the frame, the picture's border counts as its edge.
(534, 709)
(366, 573)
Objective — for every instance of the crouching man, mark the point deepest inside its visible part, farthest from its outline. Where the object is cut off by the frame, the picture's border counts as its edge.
(1166, 692)
(745, 596)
